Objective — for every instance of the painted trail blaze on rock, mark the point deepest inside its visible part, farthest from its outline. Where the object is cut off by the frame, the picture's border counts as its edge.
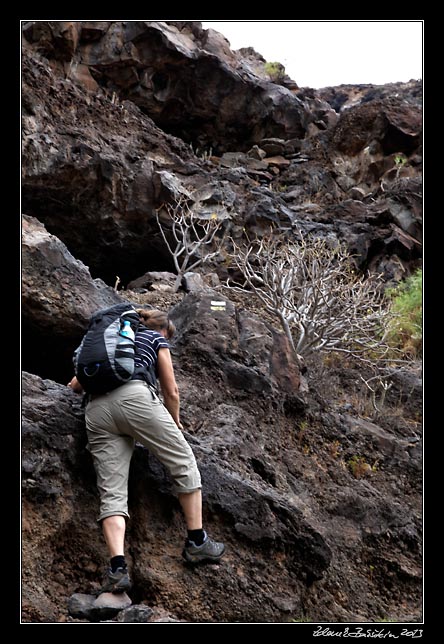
(217, 305)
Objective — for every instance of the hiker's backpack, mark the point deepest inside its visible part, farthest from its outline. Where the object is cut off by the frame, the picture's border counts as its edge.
(105, 359)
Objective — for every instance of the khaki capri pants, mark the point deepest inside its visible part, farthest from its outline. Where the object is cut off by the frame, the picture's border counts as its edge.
(114, 422)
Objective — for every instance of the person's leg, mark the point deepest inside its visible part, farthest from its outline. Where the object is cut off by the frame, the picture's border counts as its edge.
(117, 578)
(192, 509)
(114, 532)
(150, 423)
(111, 454)
(111, 457)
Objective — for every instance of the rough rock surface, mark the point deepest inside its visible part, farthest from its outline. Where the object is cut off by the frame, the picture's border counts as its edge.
(320, 510)
(97, 165)
(55, 287)
(177, 74)
(98, 609)
(318, 501)
(306, 534)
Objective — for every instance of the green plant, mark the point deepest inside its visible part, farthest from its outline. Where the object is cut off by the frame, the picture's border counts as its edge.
(400, 159)
(406, 327)
(303, 426)
(276, 71)
(359, 466)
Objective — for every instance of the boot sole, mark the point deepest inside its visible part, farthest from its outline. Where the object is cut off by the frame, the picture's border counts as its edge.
(121, 589)
(116, 588)
(197, 558)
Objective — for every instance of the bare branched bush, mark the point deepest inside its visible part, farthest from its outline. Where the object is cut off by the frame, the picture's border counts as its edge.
(378, 387)
(321, 301)
(191, 236)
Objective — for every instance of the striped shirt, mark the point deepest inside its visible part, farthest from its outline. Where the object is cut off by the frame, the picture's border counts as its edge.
(148, 344)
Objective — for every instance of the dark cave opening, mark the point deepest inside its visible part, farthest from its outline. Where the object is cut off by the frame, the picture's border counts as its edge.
(109, 246)
(125, 263)
(159, 81)
(47, 354)
(104, 254)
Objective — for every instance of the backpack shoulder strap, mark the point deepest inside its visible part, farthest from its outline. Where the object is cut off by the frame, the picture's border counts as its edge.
(141, 372)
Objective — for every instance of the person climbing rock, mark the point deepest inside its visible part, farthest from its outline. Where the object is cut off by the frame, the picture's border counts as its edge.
(134, 412)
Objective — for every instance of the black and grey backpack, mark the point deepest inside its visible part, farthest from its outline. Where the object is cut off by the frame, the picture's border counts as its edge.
(105, 358)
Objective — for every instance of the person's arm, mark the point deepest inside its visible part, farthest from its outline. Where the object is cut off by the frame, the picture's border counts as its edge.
(170, 391)
(75, 385)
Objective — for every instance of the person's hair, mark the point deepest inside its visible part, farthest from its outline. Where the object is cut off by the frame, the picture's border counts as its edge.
(156, 320)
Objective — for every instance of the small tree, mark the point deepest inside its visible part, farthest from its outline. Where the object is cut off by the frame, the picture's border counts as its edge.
(192, 236)
(315, 292)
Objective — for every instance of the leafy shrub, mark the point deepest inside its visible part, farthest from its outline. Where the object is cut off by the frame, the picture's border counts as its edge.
(276, 71)
(406, 329)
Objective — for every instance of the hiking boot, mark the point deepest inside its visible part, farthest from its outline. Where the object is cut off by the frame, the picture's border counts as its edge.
(209, 551)
(116, 582)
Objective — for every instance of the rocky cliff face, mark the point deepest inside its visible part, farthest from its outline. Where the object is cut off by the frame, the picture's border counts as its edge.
(319, 506)
(96, 164)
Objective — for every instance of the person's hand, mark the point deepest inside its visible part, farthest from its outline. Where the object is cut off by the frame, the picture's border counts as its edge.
(75, 385)
(180, 426)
